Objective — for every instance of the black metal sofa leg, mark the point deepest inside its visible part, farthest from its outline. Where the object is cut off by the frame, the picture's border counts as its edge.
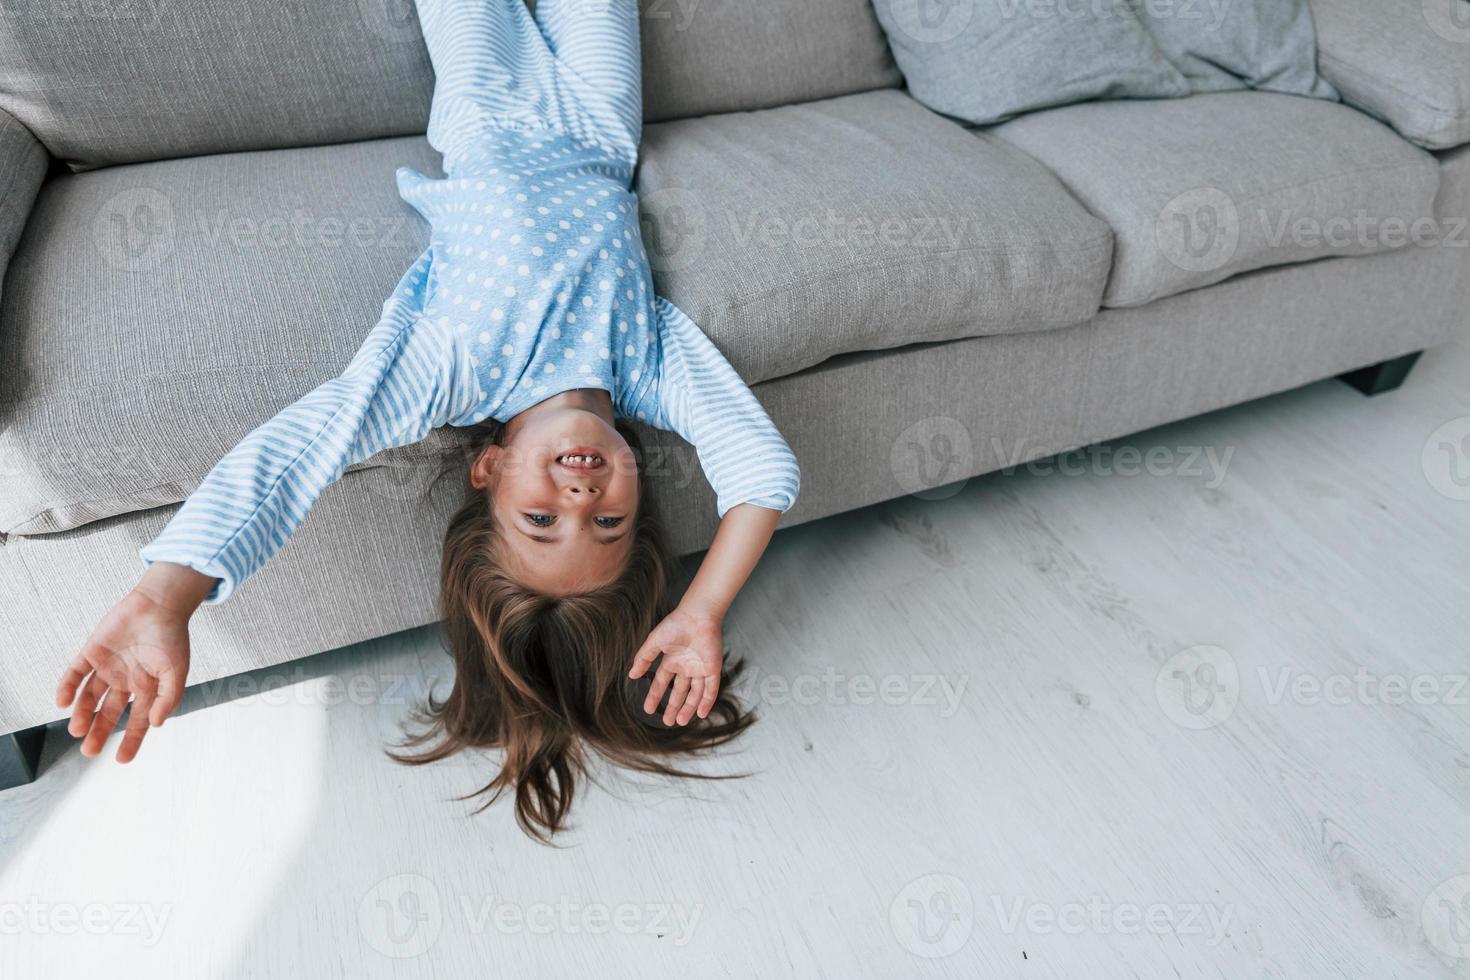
(20, 754)
(1378, 378)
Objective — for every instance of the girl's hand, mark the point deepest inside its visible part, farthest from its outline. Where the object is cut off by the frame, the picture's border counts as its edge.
(692, 645)
(690, 638)
(139, 650)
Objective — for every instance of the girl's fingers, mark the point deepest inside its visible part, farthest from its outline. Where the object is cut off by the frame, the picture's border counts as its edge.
(644, 658)
(104, 721)
(137, 727)
(696, 691)
(681, 691)
(711, 695)
(656, 690)
(72, 679)
(145, 688)
(86, 704)
(170, 691)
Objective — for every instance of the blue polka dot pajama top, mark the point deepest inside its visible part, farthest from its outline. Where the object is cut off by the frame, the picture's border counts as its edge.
(535, 282)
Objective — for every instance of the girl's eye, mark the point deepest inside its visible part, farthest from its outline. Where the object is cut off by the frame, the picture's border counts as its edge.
(541, 520)
(609, 522)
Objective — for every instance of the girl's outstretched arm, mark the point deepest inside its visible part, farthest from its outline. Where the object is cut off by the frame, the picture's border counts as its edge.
(739, 543)
(408, 377)
(755, 478)
(691, 638)
(703, 398)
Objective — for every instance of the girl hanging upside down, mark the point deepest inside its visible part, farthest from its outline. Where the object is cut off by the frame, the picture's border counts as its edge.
(531, 316)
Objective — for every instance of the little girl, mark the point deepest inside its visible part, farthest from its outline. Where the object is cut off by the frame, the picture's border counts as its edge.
(531, 316)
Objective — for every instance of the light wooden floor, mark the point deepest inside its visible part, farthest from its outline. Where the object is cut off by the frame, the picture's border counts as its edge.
(1050, 726)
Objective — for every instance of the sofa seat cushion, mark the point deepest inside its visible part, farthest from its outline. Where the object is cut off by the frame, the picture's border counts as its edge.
(1203, 188)
(154, 314)
(859, 223)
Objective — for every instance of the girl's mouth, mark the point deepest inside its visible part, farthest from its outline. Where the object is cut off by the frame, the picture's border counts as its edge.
(582, 458)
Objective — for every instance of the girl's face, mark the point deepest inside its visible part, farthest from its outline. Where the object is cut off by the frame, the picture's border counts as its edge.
(564, 491)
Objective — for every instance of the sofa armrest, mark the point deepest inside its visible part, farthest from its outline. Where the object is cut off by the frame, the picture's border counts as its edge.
(1406, 62)
(23, 164)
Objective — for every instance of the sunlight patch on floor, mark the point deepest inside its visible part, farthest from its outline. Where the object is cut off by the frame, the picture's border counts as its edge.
(90, 887)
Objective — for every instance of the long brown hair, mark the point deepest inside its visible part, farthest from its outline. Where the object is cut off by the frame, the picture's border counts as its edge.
(545, 678)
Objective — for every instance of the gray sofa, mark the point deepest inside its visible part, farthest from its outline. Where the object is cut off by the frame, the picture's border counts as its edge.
(198, 222)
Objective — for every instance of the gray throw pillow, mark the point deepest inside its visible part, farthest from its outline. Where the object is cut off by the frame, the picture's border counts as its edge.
(985, 61)
(1224, 45)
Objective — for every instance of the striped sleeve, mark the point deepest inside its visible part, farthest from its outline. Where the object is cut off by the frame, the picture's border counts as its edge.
(405, 380)
(702, 398)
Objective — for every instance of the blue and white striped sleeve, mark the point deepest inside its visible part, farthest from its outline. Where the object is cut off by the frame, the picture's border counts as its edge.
(408, 377)
(702, 398)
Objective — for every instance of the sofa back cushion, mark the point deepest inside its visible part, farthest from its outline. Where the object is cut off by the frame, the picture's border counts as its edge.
(1268, 45)
(706, 56)
(23, 165)
(1406, 62)
(985, 61)
(125, 81)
